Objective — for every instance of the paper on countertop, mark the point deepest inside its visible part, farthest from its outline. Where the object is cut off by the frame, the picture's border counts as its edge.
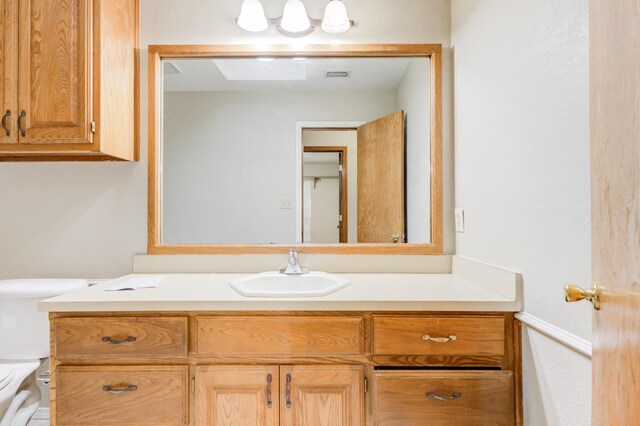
(137, 283)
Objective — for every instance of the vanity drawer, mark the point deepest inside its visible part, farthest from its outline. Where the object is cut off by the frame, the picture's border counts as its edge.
(444, 336)
(285, 335)
(122, 395)
(405, 398)
(158, 337)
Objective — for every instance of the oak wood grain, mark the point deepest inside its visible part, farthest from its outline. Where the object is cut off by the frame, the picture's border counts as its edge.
(78, 63)
(116, 78)
(484, 398)
(381, 183)
(322, 396)
(330, 335)
(400, 335)
(55, 71)
(160, 396)
(157, 337)
(9, 69)
(614, 37)
(237, 395)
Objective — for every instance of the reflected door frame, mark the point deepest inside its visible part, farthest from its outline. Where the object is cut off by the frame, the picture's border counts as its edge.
(342, 185)
(301, 126)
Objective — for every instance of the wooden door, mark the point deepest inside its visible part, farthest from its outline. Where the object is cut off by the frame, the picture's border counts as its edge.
(322, 395)
(8, 70)
(381, 203)
(237, 395)
(55, 89)
(615, 174)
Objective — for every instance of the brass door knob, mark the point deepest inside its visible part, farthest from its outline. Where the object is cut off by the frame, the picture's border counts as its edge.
(573, 293)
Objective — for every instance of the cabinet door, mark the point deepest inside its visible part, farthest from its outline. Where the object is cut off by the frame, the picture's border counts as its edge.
(8, 70)
(55, 79)
(237, 395)
(322, 395)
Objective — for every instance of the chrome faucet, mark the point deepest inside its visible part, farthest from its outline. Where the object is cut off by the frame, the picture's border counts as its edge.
(293, 267)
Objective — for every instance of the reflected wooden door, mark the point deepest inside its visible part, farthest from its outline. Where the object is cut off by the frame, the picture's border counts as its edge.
(322, 395)
(615, 170)
(381, 203)
(237, 395)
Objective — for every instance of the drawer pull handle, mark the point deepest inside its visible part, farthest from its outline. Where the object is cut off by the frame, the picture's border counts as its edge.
(442, 397)
(119, 390)
(107, 339)
(428, 338)
(287, 391)
(269, 402)
(21, 117)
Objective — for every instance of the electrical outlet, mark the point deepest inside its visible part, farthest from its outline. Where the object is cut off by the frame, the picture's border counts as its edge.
(286, 204)
(459, 220)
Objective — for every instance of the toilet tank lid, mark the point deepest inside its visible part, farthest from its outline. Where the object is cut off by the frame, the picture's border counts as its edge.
(38, 288)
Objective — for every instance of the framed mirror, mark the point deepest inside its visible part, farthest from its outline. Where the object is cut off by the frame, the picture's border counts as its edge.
(330, 149)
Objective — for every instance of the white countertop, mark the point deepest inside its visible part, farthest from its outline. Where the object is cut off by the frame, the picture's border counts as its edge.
(367, 292)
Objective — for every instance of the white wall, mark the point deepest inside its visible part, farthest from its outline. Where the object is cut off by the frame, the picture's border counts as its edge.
(414, 94)
(522, 174)
(87, 220)
(230, 157)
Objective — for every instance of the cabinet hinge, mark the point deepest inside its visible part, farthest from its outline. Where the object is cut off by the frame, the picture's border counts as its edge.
(193, 384)
(93, 127)
(366, 385)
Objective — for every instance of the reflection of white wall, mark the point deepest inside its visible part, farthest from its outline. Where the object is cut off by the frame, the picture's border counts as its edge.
(522, 175)
(229, 158)
(414, 94)
(349, 139)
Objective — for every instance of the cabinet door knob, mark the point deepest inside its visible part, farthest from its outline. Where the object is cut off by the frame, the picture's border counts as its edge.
(574, 293)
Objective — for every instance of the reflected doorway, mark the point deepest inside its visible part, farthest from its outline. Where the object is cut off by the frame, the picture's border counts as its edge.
(325, 192)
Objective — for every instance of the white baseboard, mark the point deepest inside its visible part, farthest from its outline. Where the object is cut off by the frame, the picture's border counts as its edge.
(570, 340)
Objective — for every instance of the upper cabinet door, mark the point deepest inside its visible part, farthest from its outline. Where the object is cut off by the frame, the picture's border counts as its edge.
(55, 72)
(322, 395)
(8, 70)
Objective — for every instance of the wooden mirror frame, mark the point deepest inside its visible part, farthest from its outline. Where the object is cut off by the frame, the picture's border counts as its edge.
(159, 52)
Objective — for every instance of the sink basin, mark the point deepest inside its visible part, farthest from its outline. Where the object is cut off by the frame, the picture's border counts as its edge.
(275, 284)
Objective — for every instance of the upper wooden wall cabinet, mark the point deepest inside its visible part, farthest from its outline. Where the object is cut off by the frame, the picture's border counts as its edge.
(69, 80)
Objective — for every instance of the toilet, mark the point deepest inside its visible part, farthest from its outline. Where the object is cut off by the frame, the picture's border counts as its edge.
(24, 343)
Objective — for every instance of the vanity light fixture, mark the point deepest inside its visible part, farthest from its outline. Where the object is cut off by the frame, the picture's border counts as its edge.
(252, 17)
(294, 21)
(336, 20)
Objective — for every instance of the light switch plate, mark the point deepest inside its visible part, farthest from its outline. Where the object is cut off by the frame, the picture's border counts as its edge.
(286, 203)
(459, 220)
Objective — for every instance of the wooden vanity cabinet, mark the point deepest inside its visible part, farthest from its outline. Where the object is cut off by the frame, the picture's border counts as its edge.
(69, 86)
(286, 368)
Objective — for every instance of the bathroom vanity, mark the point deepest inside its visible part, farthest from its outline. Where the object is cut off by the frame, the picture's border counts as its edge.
(390, 349)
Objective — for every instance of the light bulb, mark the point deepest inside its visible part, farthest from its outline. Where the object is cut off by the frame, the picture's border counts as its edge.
(252, 16)
(294, 17)
(335, 19)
